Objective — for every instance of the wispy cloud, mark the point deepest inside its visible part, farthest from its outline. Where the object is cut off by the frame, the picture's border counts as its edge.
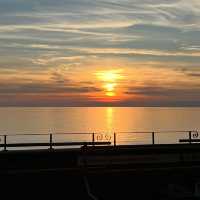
(166, 92)
(138, 52)
(37, 88)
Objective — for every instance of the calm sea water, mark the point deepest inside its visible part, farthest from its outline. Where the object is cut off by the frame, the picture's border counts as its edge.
(105, 121)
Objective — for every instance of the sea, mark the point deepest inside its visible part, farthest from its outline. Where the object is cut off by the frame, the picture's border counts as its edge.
(119, 125)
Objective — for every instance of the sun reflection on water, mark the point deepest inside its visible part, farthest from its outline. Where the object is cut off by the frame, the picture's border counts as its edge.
(109, 116)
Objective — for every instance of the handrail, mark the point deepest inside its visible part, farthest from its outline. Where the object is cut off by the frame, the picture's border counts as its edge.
(167, 131)
(90, 133)
(191, 135)
(53, 133)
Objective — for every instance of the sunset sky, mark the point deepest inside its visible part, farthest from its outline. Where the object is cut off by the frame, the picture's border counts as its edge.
(99, 52)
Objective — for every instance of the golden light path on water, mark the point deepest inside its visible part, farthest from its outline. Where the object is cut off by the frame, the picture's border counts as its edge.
(109, 115)
(122, 137)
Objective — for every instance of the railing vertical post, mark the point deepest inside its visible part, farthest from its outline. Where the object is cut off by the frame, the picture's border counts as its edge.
(190, 137)
(153, 137)
(115, 140)
(50, 142)
(5, 142)
(93, 139)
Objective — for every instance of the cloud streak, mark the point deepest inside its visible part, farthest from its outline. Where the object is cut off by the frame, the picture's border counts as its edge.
(42, 88)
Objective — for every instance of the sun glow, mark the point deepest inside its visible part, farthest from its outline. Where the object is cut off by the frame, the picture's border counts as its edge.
(110, 94)
(109, 81)
(109, 76)
(110, 87)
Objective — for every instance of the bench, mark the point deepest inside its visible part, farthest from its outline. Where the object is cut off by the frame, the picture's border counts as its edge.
(51, 145)
(189, 140)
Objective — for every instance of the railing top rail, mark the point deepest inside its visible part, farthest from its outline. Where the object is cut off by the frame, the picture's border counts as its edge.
(46, 134)
(167, 131)
(171, 131)
(134, 131)
(90, 133)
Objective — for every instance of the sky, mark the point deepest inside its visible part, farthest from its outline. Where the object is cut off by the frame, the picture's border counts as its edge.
(100, 53)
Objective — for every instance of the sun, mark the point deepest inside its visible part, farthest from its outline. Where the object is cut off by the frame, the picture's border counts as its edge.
(110, 94)
(110, 87)
(110, 80)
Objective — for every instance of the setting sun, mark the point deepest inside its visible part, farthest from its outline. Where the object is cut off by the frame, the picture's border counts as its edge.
(110, 94)
(110, 87)
(110, 80)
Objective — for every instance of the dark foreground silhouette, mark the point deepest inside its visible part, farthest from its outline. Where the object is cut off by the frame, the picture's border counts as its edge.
(126, 172)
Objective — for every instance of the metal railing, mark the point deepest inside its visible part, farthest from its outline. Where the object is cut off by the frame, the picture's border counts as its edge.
(50, 142)
(97, 138)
